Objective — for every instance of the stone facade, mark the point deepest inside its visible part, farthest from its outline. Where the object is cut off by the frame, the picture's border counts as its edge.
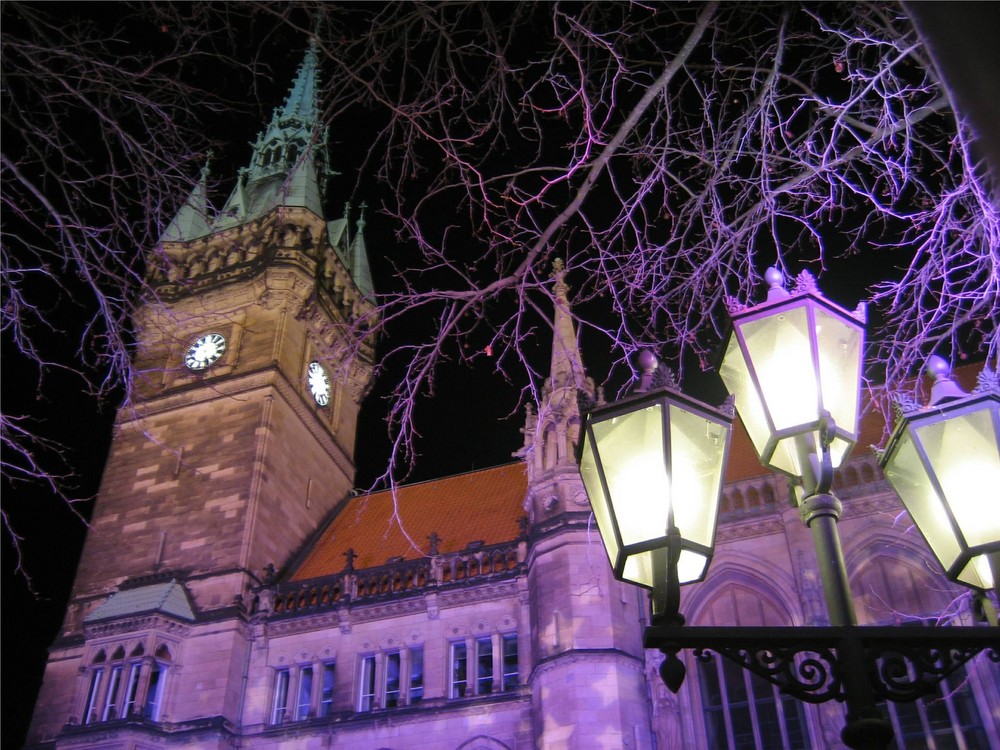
(233, 593)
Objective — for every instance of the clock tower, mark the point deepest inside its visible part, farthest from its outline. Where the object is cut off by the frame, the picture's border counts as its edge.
(253, 354)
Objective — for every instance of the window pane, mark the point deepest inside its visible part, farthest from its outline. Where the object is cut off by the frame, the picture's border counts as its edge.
(392, 680)
(794, 714)
(280, 707)
(711, 699)
(911, 729)
(458, 670)
(366, 689)
(110, 699)
(326, 697)
(484, 666)
(773, 722)
(510, 669)
(766, 708)
(304, 703)
(154, 693)
(416, 674)
(95, 683)
(131, 689)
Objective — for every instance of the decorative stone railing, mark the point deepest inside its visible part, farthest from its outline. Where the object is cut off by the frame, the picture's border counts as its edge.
(393, 579)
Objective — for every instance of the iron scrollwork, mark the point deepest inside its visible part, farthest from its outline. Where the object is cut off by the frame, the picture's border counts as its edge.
(810, 663)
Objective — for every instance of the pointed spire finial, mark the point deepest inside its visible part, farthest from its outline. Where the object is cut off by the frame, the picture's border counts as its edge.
(205, 170)
(561, 288)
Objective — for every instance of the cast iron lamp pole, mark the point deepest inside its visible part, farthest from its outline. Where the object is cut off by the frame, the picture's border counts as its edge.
(794, 366)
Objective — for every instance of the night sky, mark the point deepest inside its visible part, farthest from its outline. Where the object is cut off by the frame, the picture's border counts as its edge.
(473, 421)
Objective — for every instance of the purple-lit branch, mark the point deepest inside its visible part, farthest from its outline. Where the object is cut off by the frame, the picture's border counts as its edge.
(669, 153)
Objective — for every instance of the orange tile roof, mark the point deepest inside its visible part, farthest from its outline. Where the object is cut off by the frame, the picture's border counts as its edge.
(480, 505)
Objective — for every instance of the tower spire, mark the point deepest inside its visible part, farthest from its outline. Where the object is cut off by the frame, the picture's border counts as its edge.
(289, 162)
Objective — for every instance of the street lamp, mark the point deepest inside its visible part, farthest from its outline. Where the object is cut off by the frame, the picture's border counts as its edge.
(944, 462)
(652, 465)
(794, 365)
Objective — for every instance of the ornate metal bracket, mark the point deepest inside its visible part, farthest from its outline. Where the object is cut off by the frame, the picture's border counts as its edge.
(818, 664)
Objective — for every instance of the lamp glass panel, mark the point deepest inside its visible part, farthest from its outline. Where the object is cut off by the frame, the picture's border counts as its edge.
(978, 573)
(691, 566)
(632, 455)
(696, 449)
(639, 569)
(962, 450)
(598, 501)
(905, 471)
(780, 349)
(736, 375)
(839, 346)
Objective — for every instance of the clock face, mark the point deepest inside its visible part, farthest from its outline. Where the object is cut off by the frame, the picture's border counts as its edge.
(319, 383)
(205, 351)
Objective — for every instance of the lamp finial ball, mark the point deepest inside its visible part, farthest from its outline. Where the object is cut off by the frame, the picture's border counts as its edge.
(648, 361)
(774, 277)
(938, 367)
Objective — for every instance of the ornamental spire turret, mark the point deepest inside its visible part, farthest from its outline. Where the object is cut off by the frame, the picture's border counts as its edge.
(191, 220)
(551, 435)
(566, 370)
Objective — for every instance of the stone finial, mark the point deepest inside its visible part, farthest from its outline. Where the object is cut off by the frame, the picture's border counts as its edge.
(270, 574)
(205, 171)
(561, 288)
(434, 540)
(351, 557)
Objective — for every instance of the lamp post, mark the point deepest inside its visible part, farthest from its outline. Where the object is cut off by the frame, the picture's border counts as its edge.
(793, 364)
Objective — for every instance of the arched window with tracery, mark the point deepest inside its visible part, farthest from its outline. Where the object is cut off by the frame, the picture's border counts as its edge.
(119, 685)
(897, 591)
(742, 711)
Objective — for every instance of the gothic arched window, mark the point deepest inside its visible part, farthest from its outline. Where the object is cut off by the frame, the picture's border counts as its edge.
(118, 685)
(895, 591)
(743, 711)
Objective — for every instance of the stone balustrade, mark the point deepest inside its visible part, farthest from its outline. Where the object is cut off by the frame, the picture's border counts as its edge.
(393, 579)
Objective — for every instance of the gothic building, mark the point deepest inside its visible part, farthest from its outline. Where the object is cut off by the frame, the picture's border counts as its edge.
(235, 592)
